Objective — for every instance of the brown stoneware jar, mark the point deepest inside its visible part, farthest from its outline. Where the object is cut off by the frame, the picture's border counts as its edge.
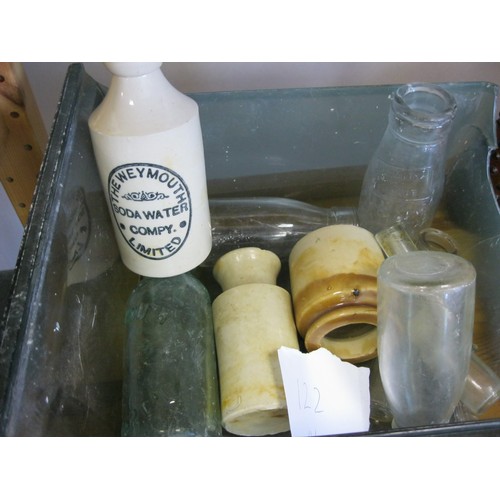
(333, 276)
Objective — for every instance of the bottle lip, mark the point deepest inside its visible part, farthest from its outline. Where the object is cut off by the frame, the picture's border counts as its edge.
(246, 265)
(425, 104)
(132, 69)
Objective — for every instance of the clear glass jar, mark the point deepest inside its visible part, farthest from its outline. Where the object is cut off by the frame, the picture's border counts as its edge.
(404, 181)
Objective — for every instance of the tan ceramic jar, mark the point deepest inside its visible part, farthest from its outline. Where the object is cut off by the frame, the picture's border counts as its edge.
(253, 318)
(333, 277)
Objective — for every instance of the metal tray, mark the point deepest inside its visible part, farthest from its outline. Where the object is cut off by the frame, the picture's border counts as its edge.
(61, 335)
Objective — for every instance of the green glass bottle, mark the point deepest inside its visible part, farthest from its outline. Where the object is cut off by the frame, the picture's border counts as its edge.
(170, 381)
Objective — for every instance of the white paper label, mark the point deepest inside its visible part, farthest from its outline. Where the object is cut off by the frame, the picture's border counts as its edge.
(324, 394)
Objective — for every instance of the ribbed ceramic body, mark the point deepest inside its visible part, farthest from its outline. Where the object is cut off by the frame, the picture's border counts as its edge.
(149, 149)
(333, 277)
(269, 223)
(404, 180)
(171, 383)
(252, 319)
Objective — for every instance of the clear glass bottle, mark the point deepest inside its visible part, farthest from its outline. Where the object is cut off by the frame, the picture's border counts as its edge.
(89, 375)
(425, 327)
(404, 181)
(170, 382)
(148, 146)
(269, 223)
(482, 384)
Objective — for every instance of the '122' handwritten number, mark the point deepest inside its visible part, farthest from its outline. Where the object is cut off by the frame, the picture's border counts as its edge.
(308, 400)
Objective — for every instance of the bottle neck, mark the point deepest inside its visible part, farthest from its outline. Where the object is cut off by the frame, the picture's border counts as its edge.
(151, 91)
(422, 113)
(245, 266)
(342, 215)
(395, 240)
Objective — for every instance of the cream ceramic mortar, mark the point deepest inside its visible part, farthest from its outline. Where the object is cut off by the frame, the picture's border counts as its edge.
(333, 277)
(253, 318)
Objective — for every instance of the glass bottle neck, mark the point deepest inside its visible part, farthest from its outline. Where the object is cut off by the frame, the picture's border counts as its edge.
(395, 240)
(421, 113)
(410, 130)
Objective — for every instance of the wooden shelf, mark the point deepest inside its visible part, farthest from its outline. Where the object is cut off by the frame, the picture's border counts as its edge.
(22, 138)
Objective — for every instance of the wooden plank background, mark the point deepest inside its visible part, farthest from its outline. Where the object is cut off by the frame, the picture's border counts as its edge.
(22, 138)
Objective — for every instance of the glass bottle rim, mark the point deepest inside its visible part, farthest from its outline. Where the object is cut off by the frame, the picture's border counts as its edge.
(425, 104)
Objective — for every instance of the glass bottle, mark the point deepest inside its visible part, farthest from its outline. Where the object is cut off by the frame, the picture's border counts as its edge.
(404, 180)
(425, 327)
(482, 384)
(90, 329)
(148, 146)
(269, 223)
(170, 382)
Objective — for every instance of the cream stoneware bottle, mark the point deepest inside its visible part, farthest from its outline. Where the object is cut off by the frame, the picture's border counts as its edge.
(253, 318)
(149, 150)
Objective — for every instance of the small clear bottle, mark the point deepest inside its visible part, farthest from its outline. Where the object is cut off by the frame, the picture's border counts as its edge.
(170, 382)
(425, 327)
(482, 384)
(404, 180)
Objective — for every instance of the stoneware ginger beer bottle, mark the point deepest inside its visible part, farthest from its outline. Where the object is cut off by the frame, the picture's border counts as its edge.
(149, 150)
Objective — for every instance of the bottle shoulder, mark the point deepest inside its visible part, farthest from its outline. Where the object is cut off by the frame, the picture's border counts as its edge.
(141, 106)
(158, 290)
